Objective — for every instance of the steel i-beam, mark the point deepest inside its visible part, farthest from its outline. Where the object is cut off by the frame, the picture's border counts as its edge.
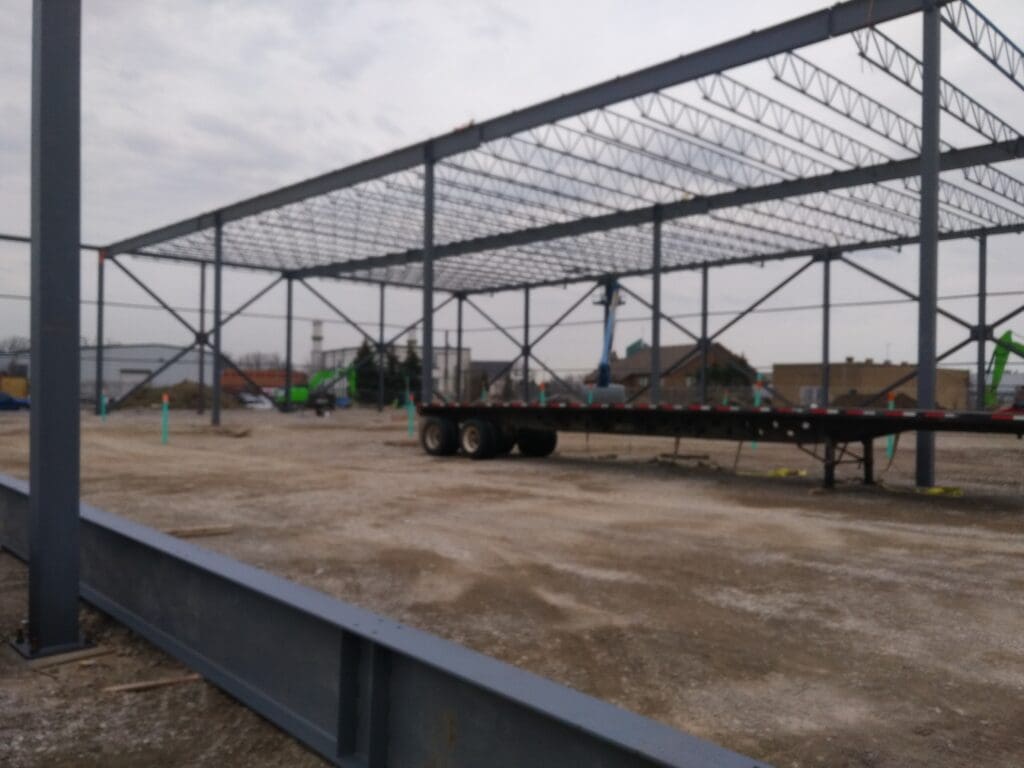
(981, 330)
(655, 393)
(55, 367)
(928, 272)
(218, 264)
(100, 286)
(427, 375)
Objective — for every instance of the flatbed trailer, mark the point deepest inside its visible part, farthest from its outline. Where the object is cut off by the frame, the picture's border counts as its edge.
(486, 430)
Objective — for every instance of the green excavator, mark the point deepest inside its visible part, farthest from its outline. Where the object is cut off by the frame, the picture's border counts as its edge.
(997, 367)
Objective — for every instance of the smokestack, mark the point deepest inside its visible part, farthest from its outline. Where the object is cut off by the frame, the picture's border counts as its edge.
(318, 345)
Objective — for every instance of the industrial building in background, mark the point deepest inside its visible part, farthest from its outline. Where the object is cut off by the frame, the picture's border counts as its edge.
(127, 366)
(730, 377)
(866, 383)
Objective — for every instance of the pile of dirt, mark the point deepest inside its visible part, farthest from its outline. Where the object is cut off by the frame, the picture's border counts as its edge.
(182, 395)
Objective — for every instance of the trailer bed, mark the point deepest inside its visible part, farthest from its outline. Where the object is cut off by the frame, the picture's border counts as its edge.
(837, 429)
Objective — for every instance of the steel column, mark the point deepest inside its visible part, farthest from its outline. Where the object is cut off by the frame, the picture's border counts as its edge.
(100, 258)
(826, 330)
(526, 345)
(704, 335)
(928, 274)
(202, 338)
(458, 349)
(427, 376)
(218, 264)
(655, 391)
(288, 346)
(381, 353)
(982, 329)
(55, 372)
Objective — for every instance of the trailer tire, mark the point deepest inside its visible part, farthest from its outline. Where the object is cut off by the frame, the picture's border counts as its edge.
(439, 436)
(537, 443)
(478, 439)
(506, 441)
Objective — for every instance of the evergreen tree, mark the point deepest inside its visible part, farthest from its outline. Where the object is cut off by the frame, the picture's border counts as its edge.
(366, 373)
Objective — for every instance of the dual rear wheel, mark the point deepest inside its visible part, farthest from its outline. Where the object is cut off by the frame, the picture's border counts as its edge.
(482, 439)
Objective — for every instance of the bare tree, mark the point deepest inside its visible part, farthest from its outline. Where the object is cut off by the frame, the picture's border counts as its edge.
(14, 344)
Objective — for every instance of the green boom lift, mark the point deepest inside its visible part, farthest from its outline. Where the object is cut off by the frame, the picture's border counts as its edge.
(997, 366)
(319, 392)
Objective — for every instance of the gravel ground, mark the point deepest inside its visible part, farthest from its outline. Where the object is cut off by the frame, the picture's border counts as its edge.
(860, 627)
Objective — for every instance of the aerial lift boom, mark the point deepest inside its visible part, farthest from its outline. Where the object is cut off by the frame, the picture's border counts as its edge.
(997, 366)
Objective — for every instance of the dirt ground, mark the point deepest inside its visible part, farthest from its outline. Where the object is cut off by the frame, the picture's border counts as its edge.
(860, 627)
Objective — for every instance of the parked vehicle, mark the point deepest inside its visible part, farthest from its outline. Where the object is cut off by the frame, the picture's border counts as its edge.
(11, 403)
(256, 402)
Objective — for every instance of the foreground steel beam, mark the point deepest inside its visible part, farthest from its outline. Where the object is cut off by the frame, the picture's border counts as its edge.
(806, 30)
(358, 688)
(53, 526)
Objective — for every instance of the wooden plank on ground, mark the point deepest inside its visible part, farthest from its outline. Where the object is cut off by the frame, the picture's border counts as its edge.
(70, 658)
(146, 685)
(197, 531)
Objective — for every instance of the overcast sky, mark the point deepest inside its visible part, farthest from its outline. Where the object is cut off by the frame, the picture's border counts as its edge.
(190, 105)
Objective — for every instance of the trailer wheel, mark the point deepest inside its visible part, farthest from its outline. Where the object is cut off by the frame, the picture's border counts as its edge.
(506, 441)
(537, 443)
(439, 437)
(478, 439)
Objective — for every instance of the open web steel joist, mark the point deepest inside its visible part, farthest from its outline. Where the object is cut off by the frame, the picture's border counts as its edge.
(567, 190)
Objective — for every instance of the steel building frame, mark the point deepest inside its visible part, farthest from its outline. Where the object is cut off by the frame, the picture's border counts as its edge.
(628, 178)
(622, 179)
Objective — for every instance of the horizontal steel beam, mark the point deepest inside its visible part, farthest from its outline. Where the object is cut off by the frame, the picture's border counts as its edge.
(889, 171)
(817, 251)
(840, 19)
(358, 688)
